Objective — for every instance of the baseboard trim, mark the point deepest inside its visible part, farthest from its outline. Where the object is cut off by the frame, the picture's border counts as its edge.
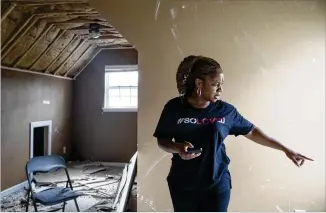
(13, 189)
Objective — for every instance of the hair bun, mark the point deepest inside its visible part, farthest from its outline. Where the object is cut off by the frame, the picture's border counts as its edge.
(183, 73)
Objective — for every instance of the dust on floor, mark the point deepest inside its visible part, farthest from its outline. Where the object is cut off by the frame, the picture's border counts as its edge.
(98, 181)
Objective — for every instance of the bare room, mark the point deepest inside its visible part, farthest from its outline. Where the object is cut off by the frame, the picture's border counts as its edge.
(66, 61)
(69, 83)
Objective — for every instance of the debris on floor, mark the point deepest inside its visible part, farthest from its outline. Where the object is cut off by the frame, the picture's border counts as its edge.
(98, 181)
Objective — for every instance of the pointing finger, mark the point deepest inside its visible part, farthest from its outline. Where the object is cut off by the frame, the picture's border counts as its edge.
(306, 157)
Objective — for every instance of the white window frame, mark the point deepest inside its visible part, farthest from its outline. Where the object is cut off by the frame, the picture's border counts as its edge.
(120, 68)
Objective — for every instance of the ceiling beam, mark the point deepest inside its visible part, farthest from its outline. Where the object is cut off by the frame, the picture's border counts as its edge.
(104, 37)
(76, 62)
(59, 35)
(114, 44)
(96, 52)
(85, 30)
(83, 21)
(49, 2)
(81, 43)
(104, 42)
(51, 13)
(18, 33)
(116, 47)
(33, 72)
(33, 45)
(47, 70)
(8, 11)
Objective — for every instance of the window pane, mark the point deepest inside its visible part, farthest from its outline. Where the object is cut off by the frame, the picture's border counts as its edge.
(134, 92)
(134, 102)
(114, 102)
(113, 92)
(121, 89)
(124, 92)
(125, 102)
(122, 78)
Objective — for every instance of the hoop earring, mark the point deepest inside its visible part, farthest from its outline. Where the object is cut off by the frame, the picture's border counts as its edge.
(198, 92)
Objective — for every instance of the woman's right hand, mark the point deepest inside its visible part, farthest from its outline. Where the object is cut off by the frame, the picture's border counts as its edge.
(182, 150)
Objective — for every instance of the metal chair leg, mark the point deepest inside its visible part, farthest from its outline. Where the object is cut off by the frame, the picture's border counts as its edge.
(64, 206)
(27, 204)
(77, 207)
(34, 203)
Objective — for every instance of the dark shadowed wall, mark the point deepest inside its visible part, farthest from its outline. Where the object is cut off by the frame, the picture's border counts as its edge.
(98, 135)
(22, 103)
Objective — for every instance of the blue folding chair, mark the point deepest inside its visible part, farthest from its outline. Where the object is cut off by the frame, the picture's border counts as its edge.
(53, 195)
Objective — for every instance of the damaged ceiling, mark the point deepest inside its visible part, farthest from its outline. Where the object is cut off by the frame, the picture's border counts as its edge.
(53, 37)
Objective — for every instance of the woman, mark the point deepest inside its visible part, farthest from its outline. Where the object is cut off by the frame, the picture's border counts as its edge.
(201, 182)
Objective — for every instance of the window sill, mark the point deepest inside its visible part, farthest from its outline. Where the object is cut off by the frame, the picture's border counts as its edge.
(119, 109)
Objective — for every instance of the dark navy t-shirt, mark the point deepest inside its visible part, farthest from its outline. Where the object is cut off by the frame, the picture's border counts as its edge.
(204, 128)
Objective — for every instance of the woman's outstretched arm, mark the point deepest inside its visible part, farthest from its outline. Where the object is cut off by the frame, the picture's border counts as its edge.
(258, 136)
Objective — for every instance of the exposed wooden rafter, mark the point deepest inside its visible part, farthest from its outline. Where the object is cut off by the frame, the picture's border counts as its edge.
(82, 21)
(48, 2)
(80, 57)
(8, 11)
(18, 34)
(60, 34)
(33, 45)
(33, 72)
(96, 52)
(85, 30)
(73, 18)
(109, 37)
(47, 70)
(81, 43)
(51, 13)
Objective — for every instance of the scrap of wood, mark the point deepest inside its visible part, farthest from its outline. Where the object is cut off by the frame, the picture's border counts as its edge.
(33, 44)
(122, 183)
(80, 57)
(19, 33)
(130, 174)
(69, 56)
(47, 70)
(8, 11)
(48, 48)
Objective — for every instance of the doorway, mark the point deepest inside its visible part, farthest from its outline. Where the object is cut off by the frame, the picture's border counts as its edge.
(40, 138)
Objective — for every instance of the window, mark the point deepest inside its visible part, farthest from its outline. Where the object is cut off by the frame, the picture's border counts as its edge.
(121, 88)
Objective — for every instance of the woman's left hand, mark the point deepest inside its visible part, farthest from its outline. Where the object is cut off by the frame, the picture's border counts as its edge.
(297, 158)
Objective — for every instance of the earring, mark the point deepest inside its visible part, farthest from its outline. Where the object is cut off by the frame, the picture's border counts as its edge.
(198, 92)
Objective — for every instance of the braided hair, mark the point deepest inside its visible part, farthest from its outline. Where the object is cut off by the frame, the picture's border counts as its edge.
(193, 67)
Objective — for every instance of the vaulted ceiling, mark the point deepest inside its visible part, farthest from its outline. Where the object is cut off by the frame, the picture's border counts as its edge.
(52, 36)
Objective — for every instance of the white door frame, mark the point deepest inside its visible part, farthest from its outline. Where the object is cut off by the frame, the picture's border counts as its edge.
(31, 132)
